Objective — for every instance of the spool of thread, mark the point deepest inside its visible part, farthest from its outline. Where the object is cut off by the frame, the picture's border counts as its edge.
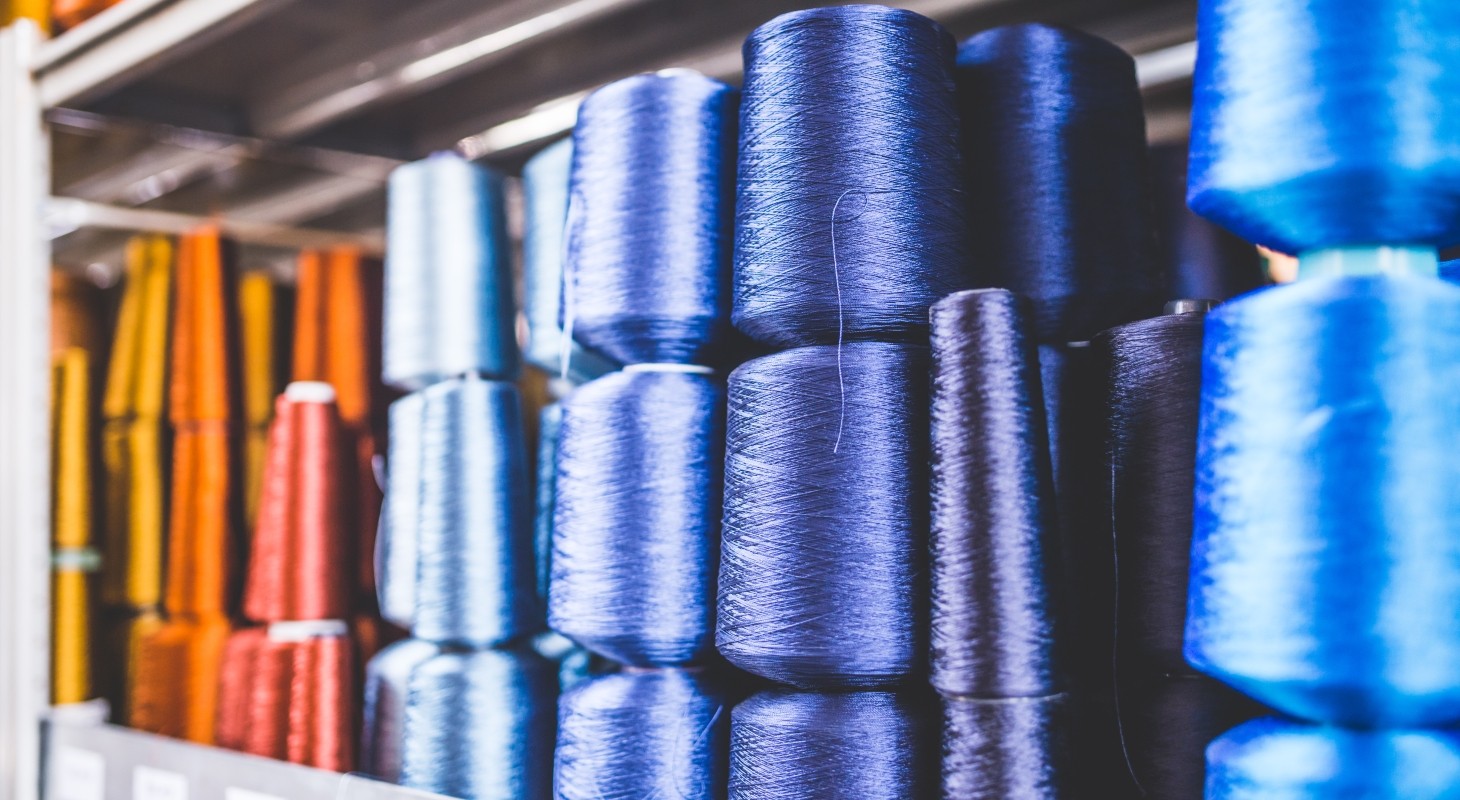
(649, 239)
(545, 195)
(1450, 270)
(1055, 150)
(261, 382)
(397, 550)
(1272, 759)
(387, 678)
(869, 745)
(177, 677)
(480, 725)
(201, 562)
(636, 534)
(136, 384)
(1165, 723)
(850, 216)
(448, 281)
(287, 692)
(474, 580)
(121, 632)
(549, 430)
(649, 733)
(1152, 407)
(1198, 258)
(1015, 747)
(298, 569)
(826, 513)
(995, 549)
(1325, 578)
(1318, 123)
(72, 593)
(205, 379)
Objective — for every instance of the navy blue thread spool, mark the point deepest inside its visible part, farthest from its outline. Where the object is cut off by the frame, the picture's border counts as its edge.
(1321, 124)
(823, 565)
(387, 678)
(474, 574)
(1165, 725)
(643, 733)
(850, 214)
(995, 553)
(544, 246)
(1199, 259)
(867, 745)
(1055, 157)
(1325, 575)
(636, 526)
(1272, 759)
(649, 238)
(448, 281)
(479, 725)
(1152, 398)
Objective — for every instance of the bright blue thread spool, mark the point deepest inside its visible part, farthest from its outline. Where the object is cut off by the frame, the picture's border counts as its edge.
(659, 733)
(636, 537)
(850, 215)
(1272, 759)
(448, 280)
(1325, 576)
(1324, 124)
(647, 272)
(545, 195)
(479, 725)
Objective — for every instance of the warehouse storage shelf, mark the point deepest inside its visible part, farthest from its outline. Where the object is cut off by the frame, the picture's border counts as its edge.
(309, 104)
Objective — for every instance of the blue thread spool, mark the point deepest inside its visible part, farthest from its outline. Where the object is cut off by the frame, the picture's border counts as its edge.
(479, 725)
(466, 549)
(1325, 574)
(549, 430)
(824, 557)
(641, 734)
(1324, 125)
(448, 281)
(648, 227)
(1200, 259)
(1055, 148)
(850, 215)
(867, 745)
(396, 551)
(545, 195)
(1272, 759)
(387, 677)
(636, 536)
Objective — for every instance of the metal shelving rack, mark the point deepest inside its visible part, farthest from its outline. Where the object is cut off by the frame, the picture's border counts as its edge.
(281, 119)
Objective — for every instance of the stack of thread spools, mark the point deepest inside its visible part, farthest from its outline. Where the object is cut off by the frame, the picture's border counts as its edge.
(465, 707)
(287, 686)
(850, 223)
(132, 437)
(636, 527)
(175, 687)
(1325, 574)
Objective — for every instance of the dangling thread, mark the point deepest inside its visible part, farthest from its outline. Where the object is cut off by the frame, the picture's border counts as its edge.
(544, 246)
(1326, 123)
(1055, 145)
(479, 725)
(849, 148)
(649, 237)
(868, 745)
(1272, 759)
(650, 733)
(448, 282)
(636, 533)
(470, 536)
(1325, 580)
(824, 553)
(1199, 259)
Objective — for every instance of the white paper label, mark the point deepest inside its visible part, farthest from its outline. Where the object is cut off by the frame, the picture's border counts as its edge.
(150, 783)
(79, 775)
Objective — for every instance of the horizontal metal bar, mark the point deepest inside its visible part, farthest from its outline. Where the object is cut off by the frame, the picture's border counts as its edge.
(67, 214)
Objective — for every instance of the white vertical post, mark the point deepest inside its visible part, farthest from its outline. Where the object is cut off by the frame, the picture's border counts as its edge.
(24, 417)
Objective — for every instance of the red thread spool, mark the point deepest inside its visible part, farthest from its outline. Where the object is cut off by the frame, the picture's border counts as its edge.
(299, 567)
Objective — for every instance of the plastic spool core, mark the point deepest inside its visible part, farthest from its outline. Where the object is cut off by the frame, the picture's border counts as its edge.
(1372, 260)
(687, 369)
(305, 630)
